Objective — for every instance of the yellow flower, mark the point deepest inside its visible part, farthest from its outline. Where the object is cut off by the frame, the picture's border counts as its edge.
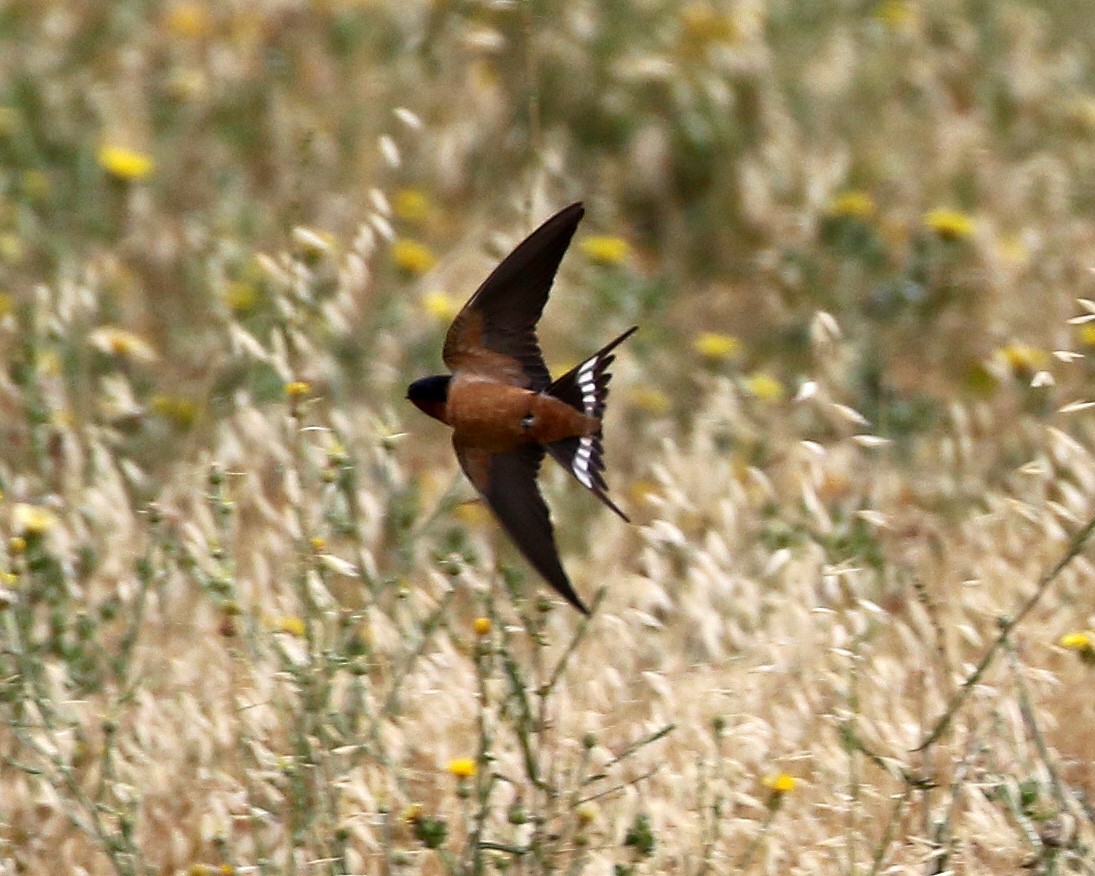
(780, 783)
(190, 20)
(1023, 359)
(290, 624)
(122, 344)
(440, 306)
(703, 25)
(950, 224)
(586, 812)
(37, 184)
(241, 297)
(605, 250)
(1081, 113)
(1076, 641)
(318, 543)
(463, 767)
(12, 249)
(896, 14)
(852, 204)
(642, 491)
(716, 346)
(412, 257)
(17, 544)
(411, 205)
(764, 386)
(125, 164)
(178, 410)
(412, 813)
(9, 120)
(297, 388)
(650, 399)
(31, 519)
(472, 513)
(1012, 249)
(1086, 333)
(1082, 643)
(482, 626)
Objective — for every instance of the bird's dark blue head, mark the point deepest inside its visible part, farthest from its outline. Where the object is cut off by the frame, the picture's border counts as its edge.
(430, 394)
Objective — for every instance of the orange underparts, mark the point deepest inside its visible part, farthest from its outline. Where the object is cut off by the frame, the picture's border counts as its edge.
(500, 417)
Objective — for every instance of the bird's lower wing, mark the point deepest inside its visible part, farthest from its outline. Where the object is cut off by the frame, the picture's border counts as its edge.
(508, 482)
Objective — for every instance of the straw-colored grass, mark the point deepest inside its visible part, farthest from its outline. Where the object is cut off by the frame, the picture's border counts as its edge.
(250, 618)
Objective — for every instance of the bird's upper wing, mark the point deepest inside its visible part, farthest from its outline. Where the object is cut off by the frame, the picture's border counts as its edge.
(508, 482)
(495, 332)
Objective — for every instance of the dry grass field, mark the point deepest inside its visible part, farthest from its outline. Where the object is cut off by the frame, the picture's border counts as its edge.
(251, 620)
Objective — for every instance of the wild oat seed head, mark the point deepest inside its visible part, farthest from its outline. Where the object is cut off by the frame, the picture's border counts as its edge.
(122, 344)
(412, 257)
(717, 347)
(606, 250)
(463, 767)
(125, 164)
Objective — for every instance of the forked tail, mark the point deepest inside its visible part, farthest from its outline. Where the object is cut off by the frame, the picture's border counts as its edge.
(585, 387)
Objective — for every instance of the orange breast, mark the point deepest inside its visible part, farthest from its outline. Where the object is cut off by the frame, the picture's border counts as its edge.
(500, 417)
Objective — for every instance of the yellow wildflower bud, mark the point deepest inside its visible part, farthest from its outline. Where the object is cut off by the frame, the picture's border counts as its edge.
(716, 346)
(853, 204)
(481, 626)
(31, 519)
(764, 387)
(1022, 358)
(781, 783)
(949, 224)
(125, 164)
(297, 389)
(603, 249)
(440, 306)
(292, 625)
(411, 205)
(412, 257)
(463, 767)
(1076, 641)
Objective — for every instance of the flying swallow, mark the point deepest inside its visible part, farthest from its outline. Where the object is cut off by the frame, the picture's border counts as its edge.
(505, 410)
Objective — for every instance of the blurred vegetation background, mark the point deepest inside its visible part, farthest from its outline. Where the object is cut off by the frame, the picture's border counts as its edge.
(853, 234)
